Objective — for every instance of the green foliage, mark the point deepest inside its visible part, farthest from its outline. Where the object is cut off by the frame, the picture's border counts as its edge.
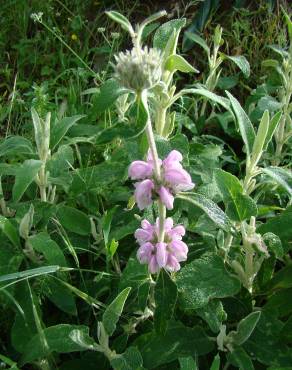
(113, 311)
(165, 299)
(73, 293)
(239, 206)
(204, 279)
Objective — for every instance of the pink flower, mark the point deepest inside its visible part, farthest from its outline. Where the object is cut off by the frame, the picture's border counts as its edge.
(143, 193)
(175, 176)
(167, 254)
(173, 179)
(166, 197)
(140, 170)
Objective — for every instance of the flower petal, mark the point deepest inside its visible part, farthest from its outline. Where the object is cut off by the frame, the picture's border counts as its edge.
(179, 250)
(142, 236)
(172, 264)
(143, 193)
(144, 253)
(172, 159)
(153, 265)
(161, 254)
(166, 197)
(177, 232)
(140, 170)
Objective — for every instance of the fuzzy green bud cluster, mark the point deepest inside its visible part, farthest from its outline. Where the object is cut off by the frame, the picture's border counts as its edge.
(42, 134)
(138, 69)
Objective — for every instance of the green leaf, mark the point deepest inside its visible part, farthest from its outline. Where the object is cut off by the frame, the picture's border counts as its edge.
(122, 20)
(200, 19)
(245, 126)
(58, 340)
(113, 312)
(272, 128)
(274, 244)
(274, 351)
(10, 231)
(15, 146)
(60, 296)
(198, 40)
(30, 273)
(42, 243)
(260, 138)
(60, 129)
(281, 176)
(60, 162)
(74, 220)
(134, 274)
(187, 363)
(178, 63)
(178, 341)
(129, 360)
(245, 328)
(120, 130)
(210, 95)
(216, 363)
(269, 103)
(9, 362)
(286, 331)
(281, 226)
(239, 206)
(289, 24)
(209, 207)
(24, 326)
(97, 176)
(24, 176)
(239, 358)
(110, 90)
(241, 62)
(164, 33)
(273, 63)
(280, 302)
(282, 279)
(204, 279)
(81, 338)
(281, 51)
(213, 313)
(165, 295)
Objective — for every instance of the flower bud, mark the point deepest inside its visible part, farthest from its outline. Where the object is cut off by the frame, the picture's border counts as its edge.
(138, 69)
(26, 223)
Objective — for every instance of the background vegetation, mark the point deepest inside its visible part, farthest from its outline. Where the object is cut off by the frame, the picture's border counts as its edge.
(63, 261)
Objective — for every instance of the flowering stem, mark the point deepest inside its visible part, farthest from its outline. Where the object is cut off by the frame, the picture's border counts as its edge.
(150, 136)
(43, 183)
(162, 216)
(152, 146)
(160, 120)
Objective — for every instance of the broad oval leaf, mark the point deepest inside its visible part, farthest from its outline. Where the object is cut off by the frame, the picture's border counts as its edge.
(113, 312)
(122, 20)
(281, 176)
(24, 176)
(74, 220)
(60, 129)
(244, 124)
(239, 206)
(204, 279)
(245, 328)
(165, 295)
(165, 31)
(178, 63)
(58, 340)
(10, 231)
(210, 208)
(241, 62)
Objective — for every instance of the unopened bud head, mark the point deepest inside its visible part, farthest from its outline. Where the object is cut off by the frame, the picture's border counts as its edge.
(138, 69)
